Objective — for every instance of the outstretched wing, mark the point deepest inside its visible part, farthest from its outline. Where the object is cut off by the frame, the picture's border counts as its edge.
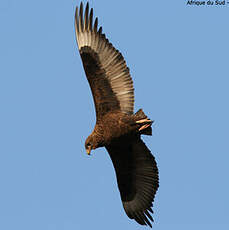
(137, 177)
(105, 67)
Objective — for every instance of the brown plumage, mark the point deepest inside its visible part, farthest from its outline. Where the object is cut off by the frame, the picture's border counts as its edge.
(117, 128)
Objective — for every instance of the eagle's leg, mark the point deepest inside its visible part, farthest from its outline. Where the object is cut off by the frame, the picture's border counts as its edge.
(144, 127)
(144, 124)
(147, 120)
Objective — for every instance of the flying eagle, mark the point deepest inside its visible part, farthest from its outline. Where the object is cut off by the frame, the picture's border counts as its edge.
(117, 128)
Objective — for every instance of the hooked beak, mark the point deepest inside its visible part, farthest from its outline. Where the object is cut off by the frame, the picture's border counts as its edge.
(88, 150)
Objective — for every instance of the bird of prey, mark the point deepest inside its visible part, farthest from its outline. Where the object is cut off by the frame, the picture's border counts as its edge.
(117, 127)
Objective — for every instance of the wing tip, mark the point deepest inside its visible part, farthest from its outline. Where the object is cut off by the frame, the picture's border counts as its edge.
(141, 215)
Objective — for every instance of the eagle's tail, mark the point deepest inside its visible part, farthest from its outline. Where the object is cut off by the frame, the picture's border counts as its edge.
(144, 123)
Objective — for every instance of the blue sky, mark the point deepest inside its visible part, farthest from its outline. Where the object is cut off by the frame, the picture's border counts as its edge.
(178, 58)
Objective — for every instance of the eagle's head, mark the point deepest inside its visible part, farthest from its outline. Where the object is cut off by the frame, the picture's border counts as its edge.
(92, 142)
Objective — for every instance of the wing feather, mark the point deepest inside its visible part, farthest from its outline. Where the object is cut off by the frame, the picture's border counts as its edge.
(110, 70)
(137, 177)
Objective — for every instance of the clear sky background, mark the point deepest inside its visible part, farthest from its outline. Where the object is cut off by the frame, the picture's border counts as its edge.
(178, 58)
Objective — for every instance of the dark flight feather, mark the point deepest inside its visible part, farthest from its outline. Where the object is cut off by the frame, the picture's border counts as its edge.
(137, 176)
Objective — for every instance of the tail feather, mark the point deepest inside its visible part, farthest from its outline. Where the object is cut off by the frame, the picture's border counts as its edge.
(147, 131)
(140, 115)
